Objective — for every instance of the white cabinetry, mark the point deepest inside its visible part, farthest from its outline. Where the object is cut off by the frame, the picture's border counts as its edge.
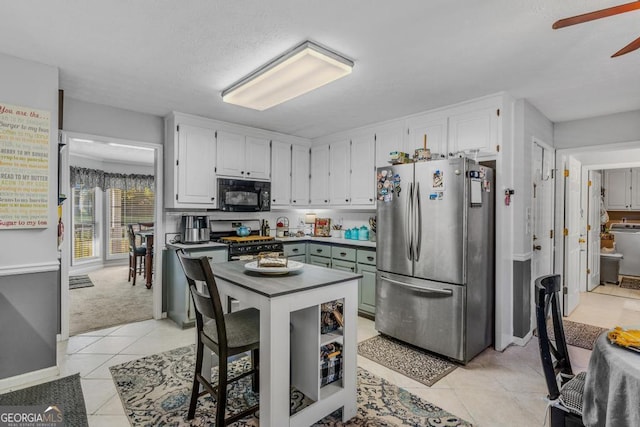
(243, 156)
(319, 182)
(281, 173)
(388, 139)
(339, 173)
(190, 160)
(433, 127)
(475, 130)
(300, 175)
(363, 182)
(622, 189)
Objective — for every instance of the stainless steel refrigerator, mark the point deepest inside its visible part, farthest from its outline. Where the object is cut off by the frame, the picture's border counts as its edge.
(435, 256)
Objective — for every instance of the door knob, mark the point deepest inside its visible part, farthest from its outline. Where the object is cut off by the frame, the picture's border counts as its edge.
(537, 247)
(582, 241)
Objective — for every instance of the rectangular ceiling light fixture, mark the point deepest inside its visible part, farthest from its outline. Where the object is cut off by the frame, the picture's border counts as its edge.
(300, 70)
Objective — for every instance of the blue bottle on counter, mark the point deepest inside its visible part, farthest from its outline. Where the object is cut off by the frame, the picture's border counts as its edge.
(355, 234)
(347, 234)
(364, 233)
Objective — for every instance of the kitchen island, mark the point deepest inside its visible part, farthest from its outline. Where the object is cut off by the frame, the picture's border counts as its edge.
(290, 337)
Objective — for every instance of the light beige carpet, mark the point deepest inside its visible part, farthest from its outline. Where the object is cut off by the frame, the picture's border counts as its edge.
(112, 301)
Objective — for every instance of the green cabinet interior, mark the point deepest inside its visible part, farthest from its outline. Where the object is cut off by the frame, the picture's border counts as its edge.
(179, 303)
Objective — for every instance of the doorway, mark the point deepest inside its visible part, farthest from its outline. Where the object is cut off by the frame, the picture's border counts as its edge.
(578, 216)
(115, 183)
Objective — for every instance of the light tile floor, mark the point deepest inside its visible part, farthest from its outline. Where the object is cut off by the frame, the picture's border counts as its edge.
(494, 389)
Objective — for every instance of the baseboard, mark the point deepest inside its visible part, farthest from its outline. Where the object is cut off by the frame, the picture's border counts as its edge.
(28, 379)
(524, 340)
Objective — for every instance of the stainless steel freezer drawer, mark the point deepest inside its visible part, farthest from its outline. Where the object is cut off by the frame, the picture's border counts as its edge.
(426, 314)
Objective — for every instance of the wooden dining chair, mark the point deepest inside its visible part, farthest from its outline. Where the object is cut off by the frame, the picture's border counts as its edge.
(565, 388)
(225, 334)
(135, 253)
(145, 226)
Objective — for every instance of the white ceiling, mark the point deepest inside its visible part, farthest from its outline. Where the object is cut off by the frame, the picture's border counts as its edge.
(103, 151)
(155, 56)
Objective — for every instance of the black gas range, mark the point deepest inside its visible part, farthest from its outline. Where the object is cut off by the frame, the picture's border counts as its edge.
(247, 247)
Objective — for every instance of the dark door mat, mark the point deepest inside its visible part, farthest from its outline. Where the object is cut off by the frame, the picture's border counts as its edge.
(577, 334)
(62, 396)
(410, 361)
(82, 281)
(629, 283)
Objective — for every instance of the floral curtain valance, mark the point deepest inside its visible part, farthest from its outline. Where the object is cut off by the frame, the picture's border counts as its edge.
(92, 178)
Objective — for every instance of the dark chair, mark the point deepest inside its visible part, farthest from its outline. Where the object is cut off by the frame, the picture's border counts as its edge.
(135, 252)
(145, 226)
(565, 388)
(225, 334)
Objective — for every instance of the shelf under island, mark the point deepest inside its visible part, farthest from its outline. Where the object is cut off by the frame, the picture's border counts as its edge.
(291, 338)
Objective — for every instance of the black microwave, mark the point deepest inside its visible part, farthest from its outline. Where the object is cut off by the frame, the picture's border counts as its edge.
(239, 195)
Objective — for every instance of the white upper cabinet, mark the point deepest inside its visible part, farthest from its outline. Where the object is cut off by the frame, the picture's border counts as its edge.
(257, 159)
(339, 173)
(431, 127)
(363, 171)
(474, 131)
(617, 185)
(281, 173)
(319, 182)
(388, 139)
(243, 156)
(190, 166)
(300, 176)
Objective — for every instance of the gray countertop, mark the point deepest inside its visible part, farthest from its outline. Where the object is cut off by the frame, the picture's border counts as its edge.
(331, 240)
(309, 277)
(197, 246)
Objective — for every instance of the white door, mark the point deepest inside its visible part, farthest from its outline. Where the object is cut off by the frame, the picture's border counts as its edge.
(300, 175)
(574, 239)
(542, 210)
(593, 230)
(280, 173)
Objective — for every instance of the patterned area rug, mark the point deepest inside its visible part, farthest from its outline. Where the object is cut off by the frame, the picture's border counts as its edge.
(410, 361)
(577, 334)
(155, 390)
(82, 281)
(64, 393)
(629, 283)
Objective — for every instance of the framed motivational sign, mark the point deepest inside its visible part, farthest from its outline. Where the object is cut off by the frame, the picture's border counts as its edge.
(24, 167)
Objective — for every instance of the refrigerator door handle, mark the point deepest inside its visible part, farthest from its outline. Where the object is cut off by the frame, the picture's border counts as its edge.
(408, 222)
(417, 231)
(419, 288)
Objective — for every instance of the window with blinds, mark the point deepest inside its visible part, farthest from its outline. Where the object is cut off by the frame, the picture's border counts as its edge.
(127, 207)
(84, 223)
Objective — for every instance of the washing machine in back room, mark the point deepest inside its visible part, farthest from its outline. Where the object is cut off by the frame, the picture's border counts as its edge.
(627, 239)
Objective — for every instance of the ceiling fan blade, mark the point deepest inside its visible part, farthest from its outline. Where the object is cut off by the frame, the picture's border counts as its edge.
(628, 48)
(579, 19)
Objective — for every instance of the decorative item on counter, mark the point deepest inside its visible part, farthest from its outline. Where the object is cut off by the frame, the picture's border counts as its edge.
(265, 230)
(363, 233)
(272, 259)
(336, 230)
(347, 234)
(323, 227)
(372, 224)
(309, 220)
(355, 233)
(282, 227)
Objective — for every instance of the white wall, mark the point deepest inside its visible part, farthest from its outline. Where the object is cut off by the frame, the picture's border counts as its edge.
(97, 119)
(614, 128)
(529, 123)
